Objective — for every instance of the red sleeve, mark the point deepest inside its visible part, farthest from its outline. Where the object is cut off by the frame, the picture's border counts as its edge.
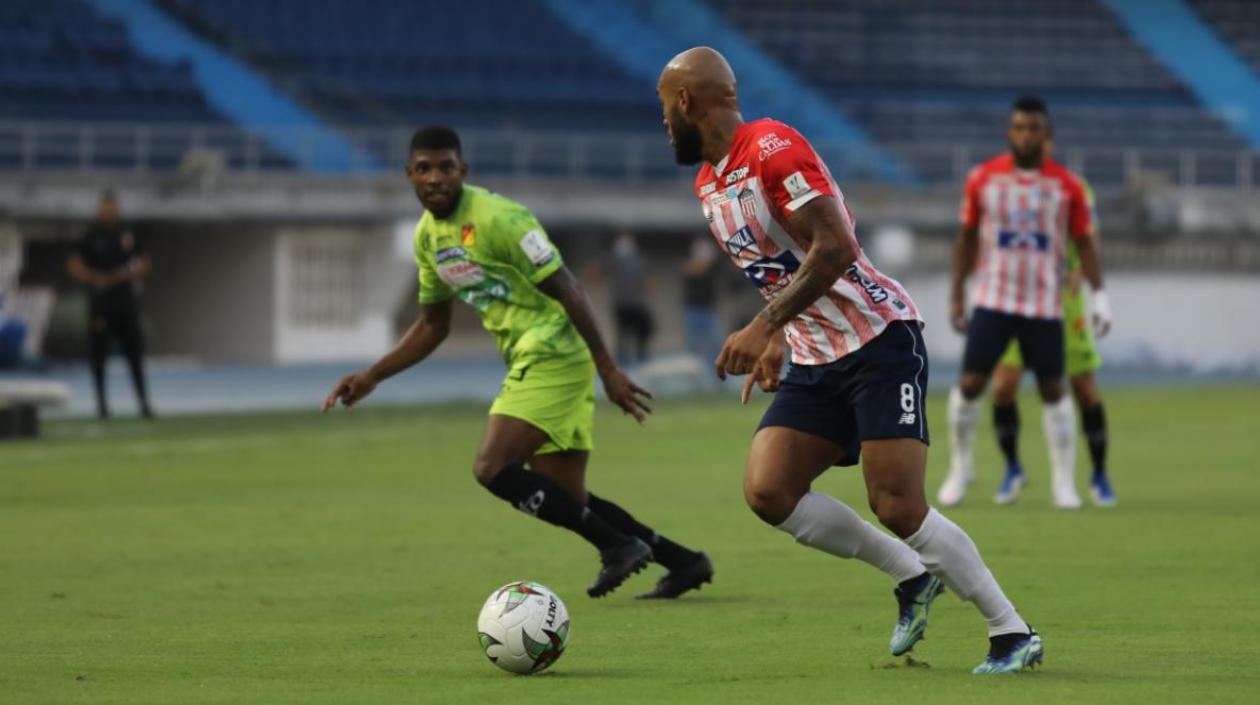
(791, 172)
(1080, 215)
(969, 211)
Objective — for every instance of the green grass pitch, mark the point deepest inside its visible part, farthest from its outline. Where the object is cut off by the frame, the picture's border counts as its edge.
(294, 558)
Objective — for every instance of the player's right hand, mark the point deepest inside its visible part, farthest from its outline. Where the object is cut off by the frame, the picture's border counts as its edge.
(958, 315)
(767, 371)
(623, 392)
(350, 390)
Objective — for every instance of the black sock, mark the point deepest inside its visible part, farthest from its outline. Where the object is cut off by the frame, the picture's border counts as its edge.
(1006, 423)
(664, 551)
(537, 495)
(1094, 423)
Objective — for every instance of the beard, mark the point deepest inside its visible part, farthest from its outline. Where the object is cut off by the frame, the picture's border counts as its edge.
(688, 144)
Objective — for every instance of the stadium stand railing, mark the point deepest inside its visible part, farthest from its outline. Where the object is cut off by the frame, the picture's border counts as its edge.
(613, 157)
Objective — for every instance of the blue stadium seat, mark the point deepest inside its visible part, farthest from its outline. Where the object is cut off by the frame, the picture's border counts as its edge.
(476, 63)
(1238, 22)
(923, 71)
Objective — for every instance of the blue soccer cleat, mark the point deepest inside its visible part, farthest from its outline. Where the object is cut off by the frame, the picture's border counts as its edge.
(1012, 653)
(1012, 483)
(913, 601)
(1100, 491)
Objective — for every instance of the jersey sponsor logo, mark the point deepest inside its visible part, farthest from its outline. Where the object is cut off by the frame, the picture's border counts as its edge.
(796, 184)
(535, 246)
(459, 275)
(769, 144)
(708, 188)
(740, 241)
(1011, 240)
(877, 293)
(468, 235)
(449, 253)
(736, 175)
(772, 273)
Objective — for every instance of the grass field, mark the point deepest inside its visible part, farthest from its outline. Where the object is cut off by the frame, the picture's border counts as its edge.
(295, 558)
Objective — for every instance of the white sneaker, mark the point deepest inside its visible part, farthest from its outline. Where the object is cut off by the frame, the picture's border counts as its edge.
(953, 489)
(1065, 496)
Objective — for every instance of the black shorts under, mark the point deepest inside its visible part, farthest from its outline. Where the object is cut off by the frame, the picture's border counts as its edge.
(875, 392)
(1040, 343)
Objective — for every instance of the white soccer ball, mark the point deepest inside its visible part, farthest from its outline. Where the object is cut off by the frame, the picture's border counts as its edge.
(523, 627)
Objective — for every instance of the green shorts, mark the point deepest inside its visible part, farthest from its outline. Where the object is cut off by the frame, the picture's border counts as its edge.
(1081, 351)
(554, 395)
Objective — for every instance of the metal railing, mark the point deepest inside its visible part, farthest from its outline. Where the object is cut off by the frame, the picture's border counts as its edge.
(626, 158)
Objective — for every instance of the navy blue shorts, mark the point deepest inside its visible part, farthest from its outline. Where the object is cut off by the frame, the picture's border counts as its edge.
(873, 393)
(1040, 343)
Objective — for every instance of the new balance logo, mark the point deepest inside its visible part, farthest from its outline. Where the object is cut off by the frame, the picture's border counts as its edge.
(533, 503)
(907, 419)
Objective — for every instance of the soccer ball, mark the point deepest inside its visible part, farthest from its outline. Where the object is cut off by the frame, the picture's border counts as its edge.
(523, 627)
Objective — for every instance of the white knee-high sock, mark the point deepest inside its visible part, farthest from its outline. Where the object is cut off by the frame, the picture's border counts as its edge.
(821, 522)
(1059, 421)
(950, 555)
(963, 415)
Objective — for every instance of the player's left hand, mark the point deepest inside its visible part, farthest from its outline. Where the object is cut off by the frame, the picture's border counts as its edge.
(743, 348)
(1102, 313)
(623, 392)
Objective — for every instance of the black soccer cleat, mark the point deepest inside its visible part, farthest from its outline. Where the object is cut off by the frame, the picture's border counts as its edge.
(678, 581)
(620, 563)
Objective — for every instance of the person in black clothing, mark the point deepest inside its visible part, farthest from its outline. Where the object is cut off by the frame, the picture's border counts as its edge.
(701, 277)
(109, 261)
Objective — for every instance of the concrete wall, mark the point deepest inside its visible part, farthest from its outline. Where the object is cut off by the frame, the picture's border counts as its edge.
(210, 292)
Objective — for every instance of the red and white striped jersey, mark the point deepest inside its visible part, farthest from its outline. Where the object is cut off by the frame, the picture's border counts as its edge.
(748, 197)
(1024, 218)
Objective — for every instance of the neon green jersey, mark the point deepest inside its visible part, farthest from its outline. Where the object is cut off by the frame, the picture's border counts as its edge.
(1074, 257)
(491, 253)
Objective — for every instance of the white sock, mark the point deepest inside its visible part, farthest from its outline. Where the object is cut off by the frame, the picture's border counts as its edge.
(821, 522)
(1059, 421)
(950, 555)
(963, 416)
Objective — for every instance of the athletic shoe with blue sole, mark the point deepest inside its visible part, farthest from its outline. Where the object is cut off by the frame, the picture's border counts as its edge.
(913, 602)
(1100, 491)
(1012, 483)
(1012, 655)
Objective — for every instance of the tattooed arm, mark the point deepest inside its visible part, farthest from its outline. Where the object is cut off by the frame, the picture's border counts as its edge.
(832, 250)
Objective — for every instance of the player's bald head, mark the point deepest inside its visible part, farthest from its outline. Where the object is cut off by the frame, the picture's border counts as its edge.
(700, 71)
(697, 89)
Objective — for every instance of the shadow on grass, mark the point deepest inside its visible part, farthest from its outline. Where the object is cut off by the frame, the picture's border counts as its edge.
(683, 602)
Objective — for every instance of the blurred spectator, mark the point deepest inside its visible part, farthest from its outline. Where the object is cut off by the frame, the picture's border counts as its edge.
(110, 262)
(628, 277)
(701, 277)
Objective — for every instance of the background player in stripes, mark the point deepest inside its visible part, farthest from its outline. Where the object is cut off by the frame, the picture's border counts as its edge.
(1018, 210)
(1082, 359)
(854, 389)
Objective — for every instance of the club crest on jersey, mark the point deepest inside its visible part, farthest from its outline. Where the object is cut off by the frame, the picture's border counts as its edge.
(769, 144)
(708, 188)
(748, 203)
(736, 175)
(468, 235)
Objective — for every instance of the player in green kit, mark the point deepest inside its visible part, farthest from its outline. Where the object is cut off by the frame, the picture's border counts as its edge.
(492, 253)
(1083, 360)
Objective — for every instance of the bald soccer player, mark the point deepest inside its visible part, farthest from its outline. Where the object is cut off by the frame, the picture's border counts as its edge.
(854, 386)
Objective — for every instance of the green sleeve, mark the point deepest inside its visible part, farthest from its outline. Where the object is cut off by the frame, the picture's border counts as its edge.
(518, 239)
(432, 288)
